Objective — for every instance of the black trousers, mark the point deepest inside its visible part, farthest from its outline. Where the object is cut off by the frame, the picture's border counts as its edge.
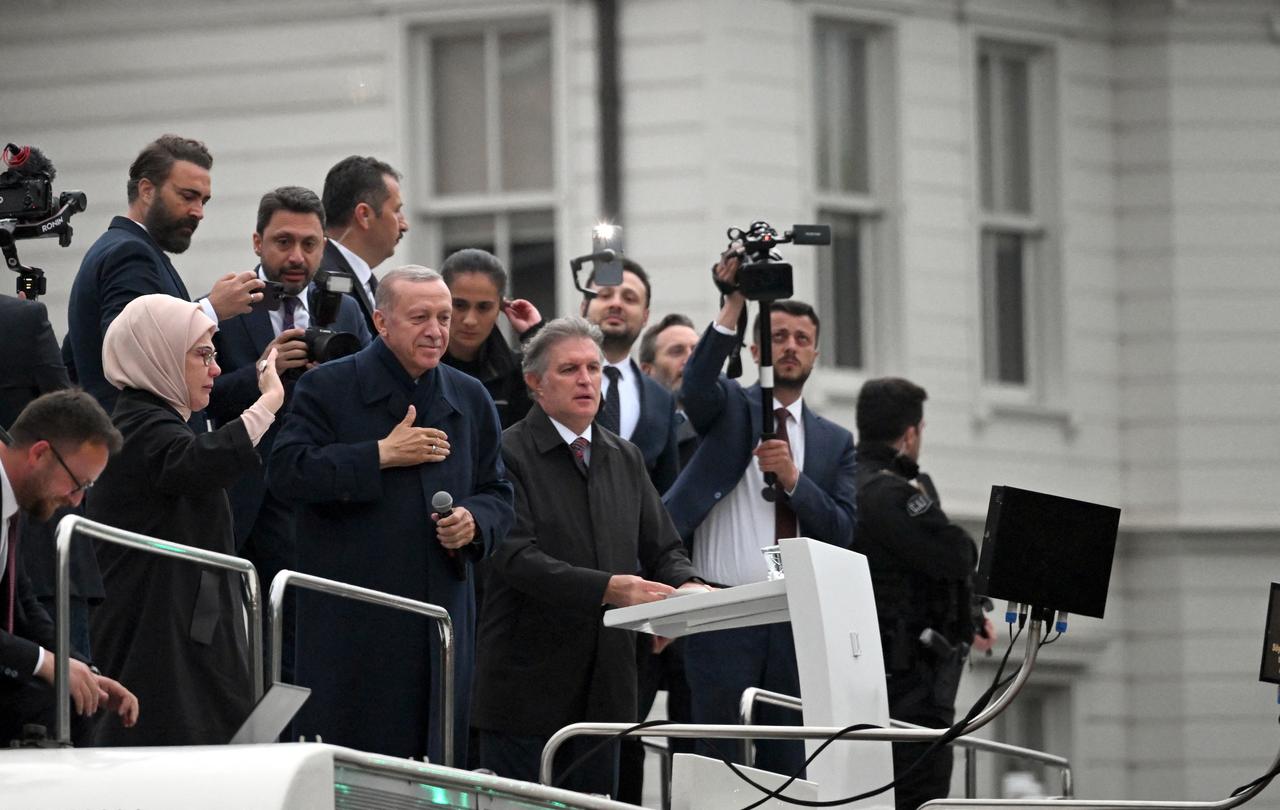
(924, 695)
(31, 702)
(655, 672)
(517, 756)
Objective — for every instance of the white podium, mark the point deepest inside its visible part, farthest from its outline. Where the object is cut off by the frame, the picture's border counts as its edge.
(827, 597)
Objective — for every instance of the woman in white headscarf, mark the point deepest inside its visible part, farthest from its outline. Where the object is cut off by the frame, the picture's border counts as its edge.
(172, 630)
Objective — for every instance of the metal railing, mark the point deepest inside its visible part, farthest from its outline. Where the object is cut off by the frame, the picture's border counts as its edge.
(341, 589)
(736, 732)
(753, 695)
(1111, 804)
(71, 526)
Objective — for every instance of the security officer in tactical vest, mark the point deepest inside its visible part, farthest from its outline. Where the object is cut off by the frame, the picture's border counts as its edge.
(922, 574)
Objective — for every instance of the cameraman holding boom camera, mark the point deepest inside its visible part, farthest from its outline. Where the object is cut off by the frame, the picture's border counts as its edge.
(305, 317)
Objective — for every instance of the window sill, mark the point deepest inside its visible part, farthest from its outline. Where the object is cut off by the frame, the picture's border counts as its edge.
(989, 410)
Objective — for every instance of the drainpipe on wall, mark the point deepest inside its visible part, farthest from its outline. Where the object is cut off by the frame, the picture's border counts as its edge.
(610, 110)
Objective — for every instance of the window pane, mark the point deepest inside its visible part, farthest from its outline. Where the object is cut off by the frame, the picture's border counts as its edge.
(458, 114)
(1017, 135)
(525, 89)
(840, 280)
(467, 232)
(1004, 307)
(841, 105)
(986, 136)
(533, 260)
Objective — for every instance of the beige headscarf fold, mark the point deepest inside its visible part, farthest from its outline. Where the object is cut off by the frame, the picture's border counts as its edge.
(146, 347)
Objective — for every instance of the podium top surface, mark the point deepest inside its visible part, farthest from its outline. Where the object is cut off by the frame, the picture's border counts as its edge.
(700, 611)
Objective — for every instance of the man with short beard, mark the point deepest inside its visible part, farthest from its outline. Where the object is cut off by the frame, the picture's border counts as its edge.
(168, 188)
(632, 405)
(719, 510)
(289, 241)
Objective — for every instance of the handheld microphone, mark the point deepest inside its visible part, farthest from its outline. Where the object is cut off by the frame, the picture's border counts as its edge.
(442, 505)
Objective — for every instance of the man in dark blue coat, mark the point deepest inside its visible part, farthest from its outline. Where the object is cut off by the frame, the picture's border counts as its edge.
(369, 440)
(168, 187)
(289, 239)
(718, 508)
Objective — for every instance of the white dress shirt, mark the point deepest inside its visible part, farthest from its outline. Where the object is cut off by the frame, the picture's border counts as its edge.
(569, 436)
(358, 266)
(301, 315)
(726, 545)
(628, 396)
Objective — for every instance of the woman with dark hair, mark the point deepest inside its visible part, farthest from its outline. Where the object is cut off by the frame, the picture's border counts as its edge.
(174, 631)
(478, 284)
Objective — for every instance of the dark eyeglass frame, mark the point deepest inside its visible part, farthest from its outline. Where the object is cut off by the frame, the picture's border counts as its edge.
(207, 355)
(80, 487)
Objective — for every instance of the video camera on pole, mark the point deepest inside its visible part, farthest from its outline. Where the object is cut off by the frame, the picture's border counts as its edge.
(28, 210)
(764, 277)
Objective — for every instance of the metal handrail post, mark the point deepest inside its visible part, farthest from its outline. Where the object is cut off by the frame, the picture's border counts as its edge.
(68, 528)
(970, 773)
(347, 591)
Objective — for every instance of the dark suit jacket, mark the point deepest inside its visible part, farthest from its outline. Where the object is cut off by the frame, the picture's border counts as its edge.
(32, 628)
(30, 363)
(373, 671)
(32, 366)
(123, 264)
(545, 659)
(334, 261)
(655, 432)
(728, 418)
(240, 342)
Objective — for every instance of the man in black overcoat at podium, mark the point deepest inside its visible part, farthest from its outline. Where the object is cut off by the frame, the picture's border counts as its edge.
(590, 533)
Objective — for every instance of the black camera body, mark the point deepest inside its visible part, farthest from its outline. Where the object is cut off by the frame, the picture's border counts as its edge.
(29, 210)
(325, 344)
(763, 275)
(26, 199)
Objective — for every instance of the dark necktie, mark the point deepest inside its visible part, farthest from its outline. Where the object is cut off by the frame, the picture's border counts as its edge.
(11, 568)
(784, 520)
(610, 416)
(579, 447)
(290, 307)
(373, 284)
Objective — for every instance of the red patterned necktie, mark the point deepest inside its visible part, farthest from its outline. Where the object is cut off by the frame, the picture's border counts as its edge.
(784, 520)
(579, 448)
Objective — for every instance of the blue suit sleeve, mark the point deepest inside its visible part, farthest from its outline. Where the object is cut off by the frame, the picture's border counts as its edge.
(130, 271)
(702, 390)
(308, 464)
(829, 517)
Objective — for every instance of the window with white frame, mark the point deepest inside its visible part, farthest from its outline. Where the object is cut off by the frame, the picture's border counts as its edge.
(850, 127)
(484, 104)
(1015, 172)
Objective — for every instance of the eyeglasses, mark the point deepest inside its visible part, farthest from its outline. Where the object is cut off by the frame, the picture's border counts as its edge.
(206, 354)
(80, 487)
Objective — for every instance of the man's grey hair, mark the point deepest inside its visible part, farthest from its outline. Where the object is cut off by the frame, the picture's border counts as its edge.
(385, 297)
(537, 349)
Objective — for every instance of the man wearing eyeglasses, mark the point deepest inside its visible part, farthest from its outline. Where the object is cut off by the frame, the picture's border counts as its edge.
(54, 452)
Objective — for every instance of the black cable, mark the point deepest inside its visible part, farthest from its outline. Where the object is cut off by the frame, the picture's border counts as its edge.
(945, 739)
(605, 740)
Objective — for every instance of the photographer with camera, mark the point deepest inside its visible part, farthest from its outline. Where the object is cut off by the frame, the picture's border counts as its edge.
(289, 241)
(168, 188)
(719, 509)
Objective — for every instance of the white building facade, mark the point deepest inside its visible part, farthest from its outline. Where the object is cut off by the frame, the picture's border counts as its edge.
(1059, 216)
